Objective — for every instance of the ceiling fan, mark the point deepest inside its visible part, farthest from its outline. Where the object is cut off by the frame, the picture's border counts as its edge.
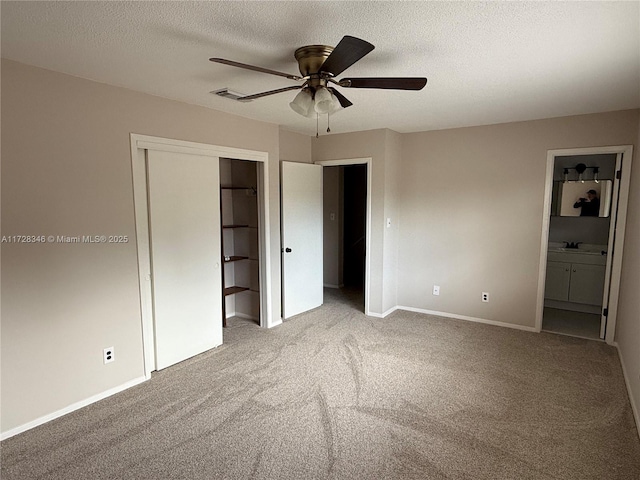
(319, 65)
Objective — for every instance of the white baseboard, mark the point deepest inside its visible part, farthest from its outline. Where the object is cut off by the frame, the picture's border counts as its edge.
(382, 315)
(245, 316)
(632, 400)
(469, 319)
(75, 406)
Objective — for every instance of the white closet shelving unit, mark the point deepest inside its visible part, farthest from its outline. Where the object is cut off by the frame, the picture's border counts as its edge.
(239, 214)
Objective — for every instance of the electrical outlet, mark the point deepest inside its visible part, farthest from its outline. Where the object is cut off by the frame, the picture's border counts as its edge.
(108, 355)
(485, 297)
(436, 289)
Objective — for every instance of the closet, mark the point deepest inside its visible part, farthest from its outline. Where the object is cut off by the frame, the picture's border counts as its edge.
(239, 218)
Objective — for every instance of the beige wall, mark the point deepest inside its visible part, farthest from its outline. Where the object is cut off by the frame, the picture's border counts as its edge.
(628, 327)
(66, 170)
(392, 171)
(295, 147)
(472, 208)
(332, 229)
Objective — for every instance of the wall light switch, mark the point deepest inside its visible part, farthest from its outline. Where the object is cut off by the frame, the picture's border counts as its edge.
(332, 217)
(388, 223)
(436, 289)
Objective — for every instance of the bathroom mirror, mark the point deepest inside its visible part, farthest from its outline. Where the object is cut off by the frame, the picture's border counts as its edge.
(582, 199)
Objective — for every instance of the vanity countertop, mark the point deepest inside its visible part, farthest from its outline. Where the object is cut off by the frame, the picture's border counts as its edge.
(585, 253)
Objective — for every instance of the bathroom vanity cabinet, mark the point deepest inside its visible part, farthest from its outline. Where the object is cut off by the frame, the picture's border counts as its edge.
(575, 277)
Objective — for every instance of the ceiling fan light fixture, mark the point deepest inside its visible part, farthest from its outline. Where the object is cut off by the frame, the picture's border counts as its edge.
(323, 100)
(302, 104)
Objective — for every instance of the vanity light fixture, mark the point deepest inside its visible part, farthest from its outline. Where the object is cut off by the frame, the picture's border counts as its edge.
(580, 168)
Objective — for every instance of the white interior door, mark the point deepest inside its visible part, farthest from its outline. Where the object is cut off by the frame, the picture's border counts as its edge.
(184, 218)
(302, 270)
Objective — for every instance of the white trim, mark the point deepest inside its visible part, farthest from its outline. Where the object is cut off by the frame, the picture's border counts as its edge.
(147, 142)
(385, 314)
(275, 323)
(264, 245)
(618, 242)
(634, 401)
(544, 239)
(71, 408)
(139, 145)
(618, 224)
(469, 319)
(368, 161)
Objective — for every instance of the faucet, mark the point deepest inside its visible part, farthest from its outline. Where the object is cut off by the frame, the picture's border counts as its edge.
(572, 244)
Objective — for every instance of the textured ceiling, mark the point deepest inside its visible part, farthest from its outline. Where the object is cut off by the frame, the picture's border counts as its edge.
(486, 63)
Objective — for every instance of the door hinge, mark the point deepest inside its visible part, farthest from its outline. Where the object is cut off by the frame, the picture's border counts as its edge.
(605, 312)
(619, 174)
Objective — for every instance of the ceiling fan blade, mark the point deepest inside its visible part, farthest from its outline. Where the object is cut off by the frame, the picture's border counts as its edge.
(393, 83)
(347, 52)
(344, 101)
(254, 68)
(270, 92)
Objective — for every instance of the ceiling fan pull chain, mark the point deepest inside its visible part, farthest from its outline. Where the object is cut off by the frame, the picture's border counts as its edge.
(317, 123)
(328, 129)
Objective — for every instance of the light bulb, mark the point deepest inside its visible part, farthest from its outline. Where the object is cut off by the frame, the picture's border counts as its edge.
(323, 100)
(303, 103)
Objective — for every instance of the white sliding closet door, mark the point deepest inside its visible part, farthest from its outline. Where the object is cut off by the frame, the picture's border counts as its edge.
(184, 218)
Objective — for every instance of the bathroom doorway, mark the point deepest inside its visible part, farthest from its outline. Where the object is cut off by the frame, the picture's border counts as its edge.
(585, 213)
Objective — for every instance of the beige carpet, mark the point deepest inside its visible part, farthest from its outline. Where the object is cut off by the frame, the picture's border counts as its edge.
(333, 394)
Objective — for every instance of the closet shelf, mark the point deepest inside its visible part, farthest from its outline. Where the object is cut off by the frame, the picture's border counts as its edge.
(228, 187)
(235, 226)
(235, 258)
(233, 290)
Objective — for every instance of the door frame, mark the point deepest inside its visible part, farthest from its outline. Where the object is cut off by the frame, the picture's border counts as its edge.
(617, 227)
(368, 161)
(140, 144)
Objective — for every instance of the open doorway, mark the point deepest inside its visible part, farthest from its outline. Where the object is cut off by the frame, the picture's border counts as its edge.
(583, 237)
(345, 232)
(579, 226)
